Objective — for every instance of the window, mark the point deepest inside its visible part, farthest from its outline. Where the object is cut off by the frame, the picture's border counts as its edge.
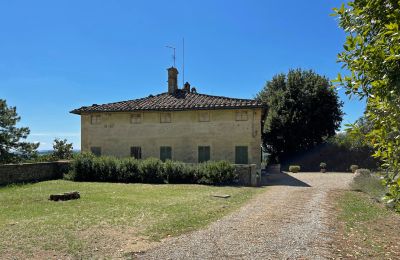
(204, 116)
(241, 116)
(136, 152)
(165, 117)
(241, 155)
(96, 150)
(165, 153)
(204, 154)
(95, 119)
(136, 118)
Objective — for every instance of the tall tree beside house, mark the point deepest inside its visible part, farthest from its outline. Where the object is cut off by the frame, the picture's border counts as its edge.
(303, 111)
(372, 55)
(13, 148)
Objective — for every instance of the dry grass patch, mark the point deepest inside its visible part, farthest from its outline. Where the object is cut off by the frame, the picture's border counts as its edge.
(363, 229)
(110, 219)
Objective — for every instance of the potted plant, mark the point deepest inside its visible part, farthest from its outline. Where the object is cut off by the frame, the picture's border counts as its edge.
(323, 167)
(353, 168)
(294, 168)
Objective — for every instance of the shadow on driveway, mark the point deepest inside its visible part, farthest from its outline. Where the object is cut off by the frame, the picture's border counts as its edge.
(282, 179)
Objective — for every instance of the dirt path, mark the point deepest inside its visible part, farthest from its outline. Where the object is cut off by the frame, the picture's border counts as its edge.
(285, 222)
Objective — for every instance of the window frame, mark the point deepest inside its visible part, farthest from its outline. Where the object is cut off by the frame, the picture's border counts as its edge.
(201, 157)
(162, 118)
(239, 160)
(97, 121)
(201, 119)
(135, 116)
(139, 149)
(164, 149)
(242, 115)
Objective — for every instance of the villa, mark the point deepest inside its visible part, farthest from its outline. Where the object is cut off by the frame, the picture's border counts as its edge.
(180, 124)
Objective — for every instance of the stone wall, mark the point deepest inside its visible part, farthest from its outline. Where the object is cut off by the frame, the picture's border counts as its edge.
(248, 175)
(116, 134)
(32, 172)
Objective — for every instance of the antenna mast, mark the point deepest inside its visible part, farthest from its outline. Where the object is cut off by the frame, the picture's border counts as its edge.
(174, 52)
(183, 66)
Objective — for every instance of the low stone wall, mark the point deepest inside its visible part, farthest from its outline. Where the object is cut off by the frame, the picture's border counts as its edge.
(32, 172)
(248, 175)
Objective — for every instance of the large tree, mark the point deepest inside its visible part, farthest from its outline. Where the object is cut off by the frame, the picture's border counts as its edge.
(62, 150)
(303, 111)
(372, 55)
(13, 148)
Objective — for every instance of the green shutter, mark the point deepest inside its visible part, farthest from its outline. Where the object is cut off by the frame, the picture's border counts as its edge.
(136, 152)
(165, 153)
(204, 154)
(241, 155)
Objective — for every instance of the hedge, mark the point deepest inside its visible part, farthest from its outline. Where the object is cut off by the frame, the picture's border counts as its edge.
(87, 167)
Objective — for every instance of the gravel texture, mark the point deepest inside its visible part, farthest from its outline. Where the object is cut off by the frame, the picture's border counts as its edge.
(287, 221)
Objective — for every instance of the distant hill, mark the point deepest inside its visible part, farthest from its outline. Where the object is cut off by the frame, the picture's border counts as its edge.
(44, 152)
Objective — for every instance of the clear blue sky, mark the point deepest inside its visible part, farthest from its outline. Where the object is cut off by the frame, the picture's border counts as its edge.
(59, 55)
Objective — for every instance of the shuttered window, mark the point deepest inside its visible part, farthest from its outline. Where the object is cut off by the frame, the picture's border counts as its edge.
(96, 150)
(204, 154)
(136, 118)
(165, 117)
(165, 153)
(136, 152)
(95, 119)
(204, 116)
(241, 116)
(241, 155)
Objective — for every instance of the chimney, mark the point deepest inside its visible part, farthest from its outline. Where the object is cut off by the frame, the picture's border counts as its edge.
(172, 80)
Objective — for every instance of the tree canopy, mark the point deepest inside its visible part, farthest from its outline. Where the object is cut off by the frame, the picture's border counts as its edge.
(62, 150)
(372, 55)
(13, 148)
(303, 111)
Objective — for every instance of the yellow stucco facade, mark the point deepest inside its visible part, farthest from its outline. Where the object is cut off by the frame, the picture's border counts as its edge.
(222, 130)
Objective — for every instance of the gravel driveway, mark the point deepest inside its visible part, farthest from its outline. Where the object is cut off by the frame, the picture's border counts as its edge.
(287, 221)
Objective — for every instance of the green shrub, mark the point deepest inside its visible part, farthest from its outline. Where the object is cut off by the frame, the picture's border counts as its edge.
(353, 168)
(129, 171)
(370, 184)
(362, 172)
(151, 171)
(221, 172)
(178, 172)
(87, 167)
(294, 168)
(82, 167)
(322, 165)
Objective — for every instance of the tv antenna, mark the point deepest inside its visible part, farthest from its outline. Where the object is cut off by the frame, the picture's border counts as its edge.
(170, 47)
(183, 65)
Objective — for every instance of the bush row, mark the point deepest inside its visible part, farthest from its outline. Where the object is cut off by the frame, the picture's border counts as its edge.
(87, 167)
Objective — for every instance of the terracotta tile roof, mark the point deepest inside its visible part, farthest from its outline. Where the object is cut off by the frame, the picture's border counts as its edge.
(166, 102)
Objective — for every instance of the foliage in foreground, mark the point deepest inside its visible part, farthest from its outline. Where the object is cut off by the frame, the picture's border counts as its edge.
(372, 55)
(87, 167)
(303, 111)
(13, 148)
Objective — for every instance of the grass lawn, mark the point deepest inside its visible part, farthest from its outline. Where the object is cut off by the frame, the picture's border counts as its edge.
(109, 220)
(365, 229)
